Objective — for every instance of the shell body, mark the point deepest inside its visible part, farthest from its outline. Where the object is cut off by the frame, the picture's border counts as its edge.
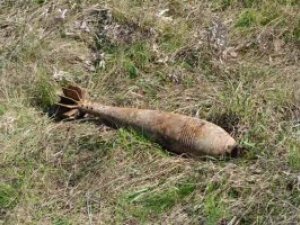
(175, 132)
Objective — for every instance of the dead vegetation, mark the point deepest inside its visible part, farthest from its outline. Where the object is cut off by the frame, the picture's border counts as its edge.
(235, 63)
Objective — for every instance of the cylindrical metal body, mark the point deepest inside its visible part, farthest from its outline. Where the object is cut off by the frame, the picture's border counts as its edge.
(177, 133)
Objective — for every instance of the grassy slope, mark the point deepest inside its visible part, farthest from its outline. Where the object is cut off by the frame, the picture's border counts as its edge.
(125, 53)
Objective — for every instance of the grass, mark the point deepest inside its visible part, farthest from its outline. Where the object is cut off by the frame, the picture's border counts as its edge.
(155, 201)
(61, 221)
(2, 110)
(8, 196)
(214, 210)
(294, 157)
(138, 55)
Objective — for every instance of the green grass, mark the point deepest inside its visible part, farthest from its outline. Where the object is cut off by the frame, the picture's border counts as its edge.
(294, 157)
(2, 110)
(140, 54)
(79, 172)
(173, 38)
(214, 210)
(135, 142)
(60, 221)
(43, 92)
(253, 17)
(8, 196)
(149, 201)
(270, 15)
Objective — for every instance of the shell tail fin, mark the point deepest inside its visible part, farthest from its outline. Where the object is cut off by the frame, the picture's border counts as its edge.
(70, 101)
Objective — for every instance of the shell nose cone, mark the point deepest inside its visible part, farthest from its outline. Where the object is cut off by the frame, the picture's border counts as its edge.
(230, 145)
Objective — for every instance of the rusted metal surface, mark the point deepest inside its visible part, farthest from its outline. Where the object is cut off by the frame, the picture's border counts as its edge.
(177, 133)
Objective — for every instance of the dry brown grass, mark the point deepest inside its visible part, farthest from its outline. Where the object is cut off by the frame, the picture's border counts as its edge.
(235, 63)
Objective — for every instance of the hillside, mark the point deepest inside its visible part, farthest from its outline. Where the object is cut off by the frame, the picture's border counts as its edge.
(235, 63)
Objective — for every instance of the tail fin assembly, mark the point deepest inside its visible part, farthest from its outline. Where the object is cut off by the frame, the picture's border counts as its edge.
(74, 92)
(70, 101)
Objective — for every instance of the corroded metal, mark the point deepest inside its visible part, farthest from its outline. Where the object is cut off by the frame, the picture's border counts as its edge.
(177, 133)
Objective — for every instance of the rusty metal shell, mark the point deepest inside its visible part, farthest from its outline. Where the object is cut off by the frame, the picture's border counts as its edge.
(177, 133)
